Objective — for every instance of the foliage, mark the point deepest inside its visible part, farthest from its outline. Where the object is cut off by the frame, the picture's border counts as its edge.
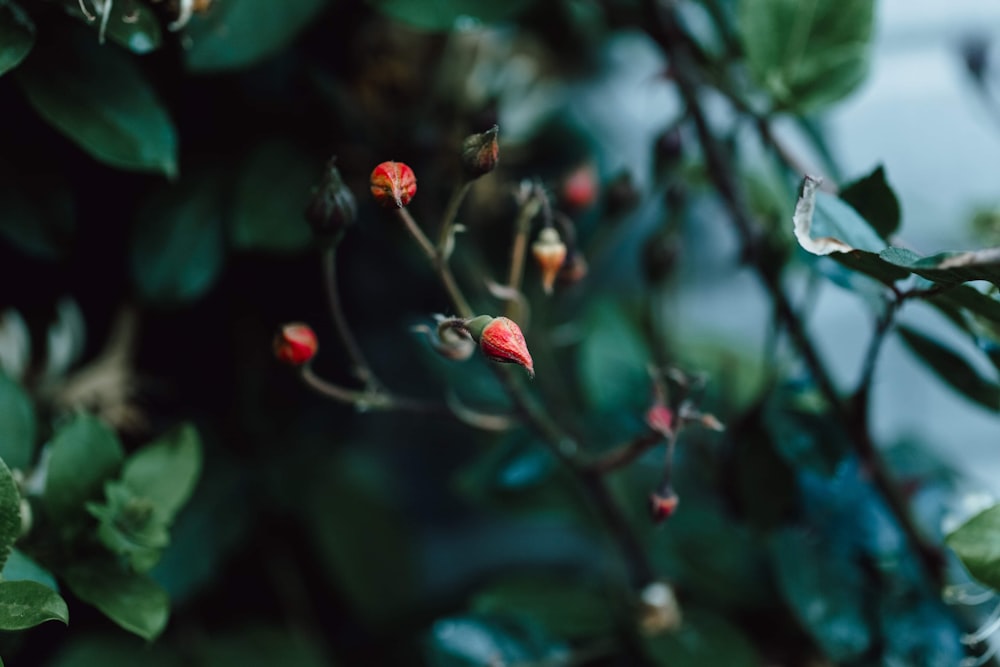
(157, 158)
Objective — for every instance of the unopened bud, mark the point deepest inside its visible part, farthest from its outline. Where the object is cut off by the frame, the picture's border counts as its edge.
(663, 504)
(501, 340)
(669, 149)
(480, 152)
(579, 191)
(450, 339)
(295, 344)
(550, 253)
(660, 418)
(332, 207)
(574, 269)
(622, 195)
(658, 609)
(393, 184)
(659, 258)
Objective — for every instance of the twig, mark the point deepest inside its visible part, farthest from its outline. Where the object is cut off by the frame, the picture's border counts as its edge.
(522, 226)
(439, 263)
(623, 454)
(450, 215)
(360, 367)
(368, 400)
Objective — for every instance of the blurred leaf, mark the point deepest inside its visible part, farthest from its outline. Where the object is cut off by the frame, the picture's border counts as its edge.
(129, 526)
(475, 640)
(238, 33)
(807, 55)
(17, 35)
(825, 590)
(442, 14)
(131, 600)
(10, 513)
(91, 649)
(261, 647)
(704, 638)
(612, 360)
(362, 538)
(178, 245)
(134, 26)
(968, 297)
(166, 470)
(807, 438)
(952, 369)
(765, 481)
(977, 544)
(83, 454)
(949, 268)
(37, 205)
(563, 608)
(100, 99)
(20, 567)
(25, 604)
(272, 191)
(17, 424)
(874, 199)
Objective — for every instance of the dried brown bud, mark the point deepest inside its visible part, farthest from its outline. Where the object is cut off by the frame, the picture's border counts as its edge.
(480, 152)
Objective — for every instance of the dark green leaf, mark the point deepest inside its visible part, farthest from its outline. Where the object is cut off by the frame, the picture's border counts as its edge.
(977, 544)
(166, 471)
(237, 34)
(262, 647)
(807, 54)
(474, 641)
(563, 608)
(25, 604)
(10, 513)
(17, 424)
(704, 638)
(83, 455)
(807, 438)
(874, 199)
(968, 297)
(132, 600)
(134, 26)
(130, 527)
(949, 268)
(99, 98)
(91, 650)
(442, 14)
(271, 194)
(759, 466)
(178, 243)
(612, 361)
(952, 368)
(825, 590)
(37, 205)
(20, 567)
(17, 35)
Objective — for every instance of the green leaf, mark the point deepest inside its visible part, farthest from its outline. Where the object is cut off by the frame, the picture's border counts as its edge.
(132, 600)
(17, 424)
(20, 567)
(25, 604)
(100, 99)
(704, 638)
(17, 35)
(83, 455)
(134, 26)
(273, 189)
(442, 14)
(261, 647)
(612, 360)
(166, 470)
(825, 591)
(10, 513)
(129, 526)
(949, 268)
(178, 244)
(968, 297)
(807, 53)
(563, 608)
(474, 641)
(91, 649)
(874, 199)
(237, 34)
(952, 368)
(38, 212)
(977, 545)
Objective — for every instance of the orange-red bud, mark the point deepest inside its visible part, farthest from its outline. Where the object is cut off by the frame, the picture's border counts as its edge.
(295, 344)
(501, 340)
(579, 191)
(660, 418)
(550, 253)
(663, 506)
(393, 184)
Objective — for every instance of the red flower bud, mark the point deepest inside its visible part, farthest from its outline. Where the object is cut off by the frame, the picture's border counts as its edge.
(501, 340)
(663, 506)
(480, 152)
(579, 191)
(393, 184)
(550, 253)
(295, 344)
(660, 418)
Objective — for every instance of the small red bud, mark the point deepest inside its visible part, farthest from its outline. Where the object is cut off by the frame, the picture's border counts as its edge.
(579, 191)
(295, 344)
(480, 152)
(393, 184)
(501, 340)
(660, 418)
(550, 253)
(663, 506)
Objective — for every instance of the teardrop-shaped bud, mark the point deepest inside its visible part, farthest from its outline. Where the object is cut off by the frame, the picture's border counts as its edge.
(550, 253)
(295, 344)
(501, 340)
(393, 184)
(332, 207)
(663, 504)
(480, 152)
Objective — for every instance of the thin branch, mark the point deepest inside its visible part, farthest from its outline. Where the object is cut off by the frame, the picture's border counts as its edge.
(450, 215)
(623, 454)
(368, 400)
(359, 365)
(439, 263)
(522, 227)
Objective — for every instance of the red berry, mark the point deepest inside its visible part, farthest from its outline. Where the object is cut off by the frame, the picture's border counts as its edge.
(295, 344)
(393, 184)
